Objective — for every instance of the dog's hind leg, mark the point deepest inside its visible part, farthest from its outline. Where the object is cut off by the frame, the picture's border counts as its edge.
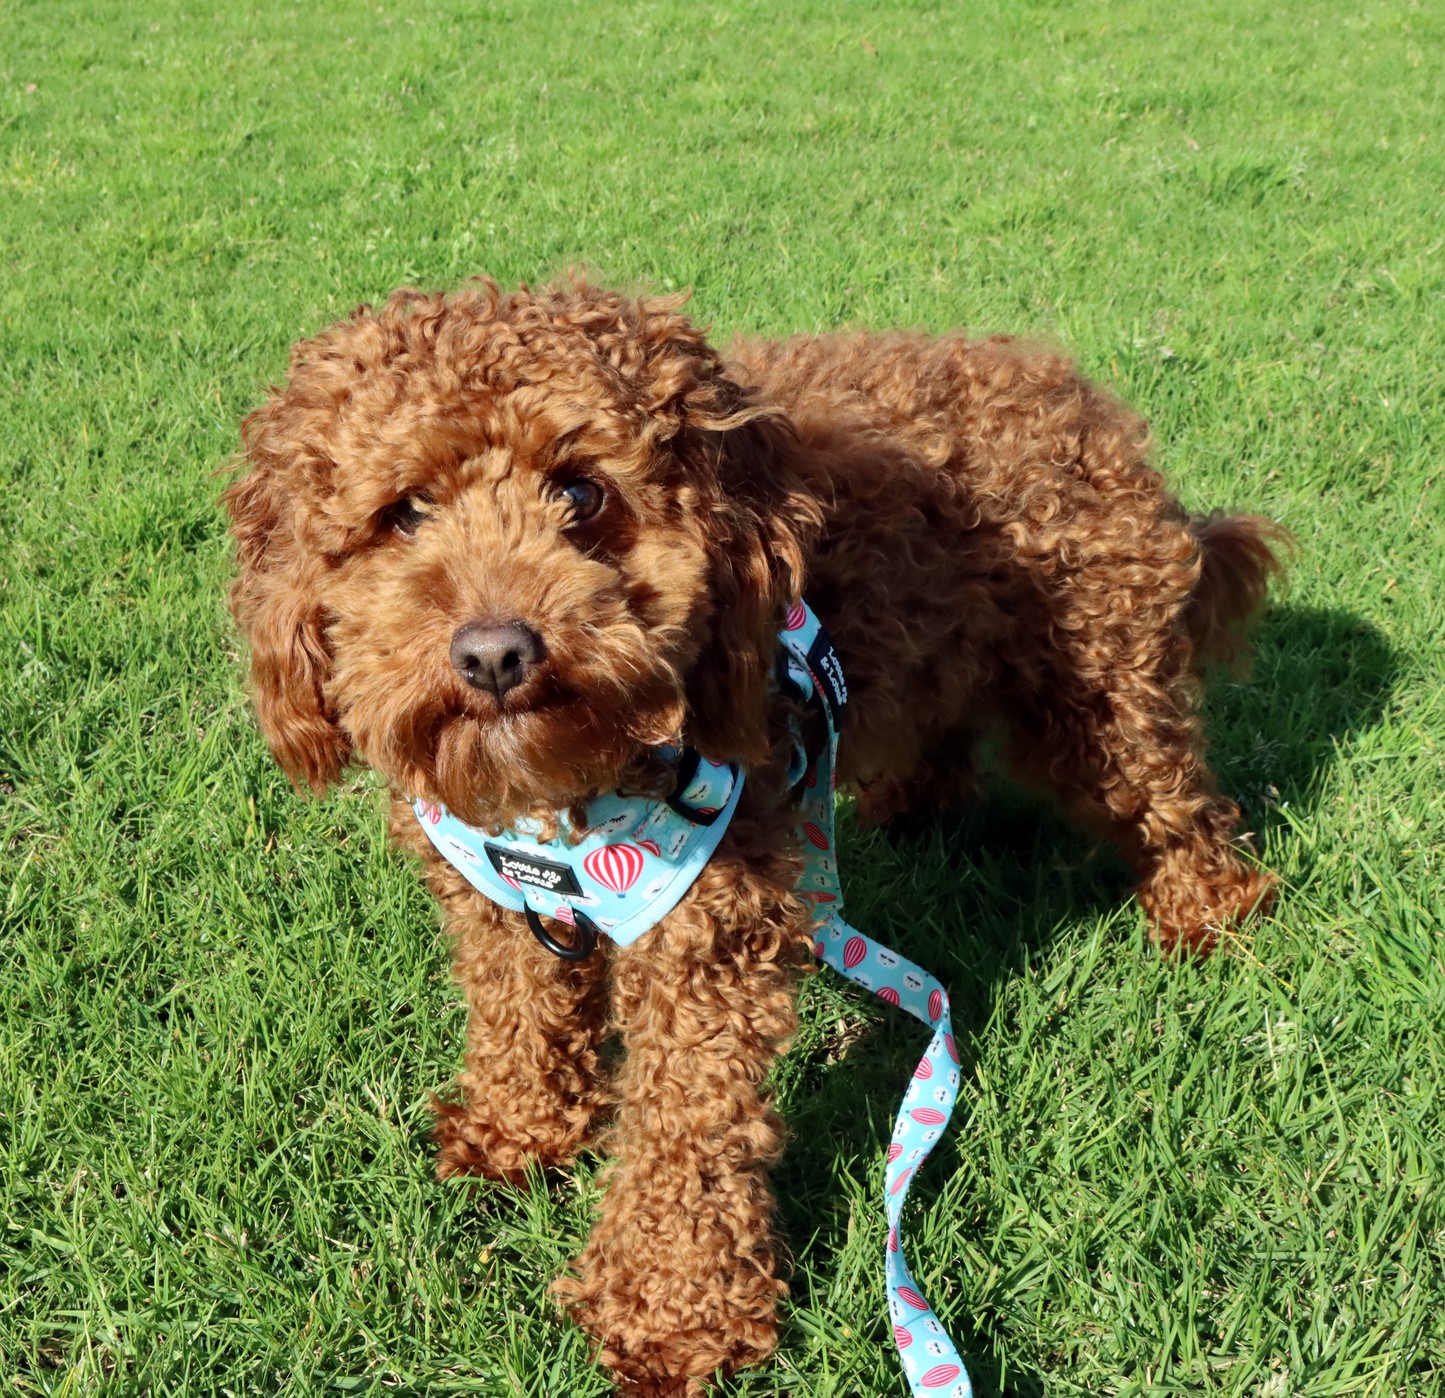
(530, 1086)
(1123, 756)
(1109, 720)
(677, 1280)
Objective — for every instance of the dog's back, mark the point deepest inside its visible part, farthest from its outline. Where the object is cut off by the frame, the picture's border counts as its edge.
(1002, 418)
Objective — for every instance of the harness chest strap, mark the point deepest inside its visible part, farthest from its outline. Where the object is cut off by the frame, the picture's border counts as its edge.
(637, 859)
(658, 847)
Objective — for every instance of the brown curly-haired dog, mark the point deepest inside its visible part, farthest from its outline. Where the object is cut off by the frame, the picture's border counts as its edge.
(500, 546)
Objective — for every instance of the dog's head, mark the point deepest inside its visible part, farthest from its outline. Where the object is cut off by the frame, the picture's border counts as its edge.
(499, 546)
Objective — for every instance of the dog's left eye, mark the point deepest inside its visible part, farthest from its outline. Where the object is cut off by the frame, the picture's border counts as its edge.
(407, 516)
(584, 497)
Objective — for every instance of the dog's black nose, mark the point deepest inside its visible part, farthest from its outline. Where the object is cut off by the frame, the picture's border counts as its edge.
(494, 657)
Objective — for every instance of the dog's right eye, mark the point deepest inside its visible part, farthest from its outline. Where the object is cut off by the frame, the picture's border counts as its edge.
(584, 497)
(406, 516)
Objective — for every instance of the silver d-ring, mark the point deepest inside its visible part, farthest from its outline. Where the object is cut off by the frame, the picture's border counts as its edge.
(586, 935)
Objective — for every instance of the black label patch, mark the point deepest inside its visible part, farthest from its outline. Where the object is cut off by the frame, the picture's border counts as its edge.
(530, 868)
(828, 671)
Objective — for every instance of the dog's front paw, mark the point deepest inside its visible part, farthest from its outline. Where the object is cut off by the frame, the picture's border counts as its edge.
(669, 1336)
(687, 1363)
(653, 1387)
(470, 1146)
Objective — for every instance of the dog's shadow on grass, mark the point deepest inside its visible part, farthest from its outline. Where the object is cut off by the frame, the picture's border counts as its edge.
(977, 897)
(1319, 676)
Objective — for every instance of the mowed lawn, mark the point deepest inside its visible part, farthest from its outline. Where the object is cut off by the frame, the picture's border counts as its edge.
(222, 1008)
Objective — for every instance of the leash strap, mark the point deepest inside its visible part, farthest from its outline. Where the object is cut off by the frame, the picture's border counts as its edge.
(931, 1362)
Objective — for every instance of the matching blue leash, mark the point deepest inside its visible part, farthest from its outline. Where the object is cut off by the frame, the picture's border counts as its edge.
(931, 1362)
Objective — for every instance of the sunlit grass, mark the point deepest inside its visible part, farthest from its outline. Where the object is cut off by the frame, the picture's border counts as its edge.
(223, 1008)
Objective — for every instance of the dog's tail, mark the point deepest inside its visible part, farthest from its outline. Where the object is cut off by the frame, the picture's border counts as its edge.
(1240, 555)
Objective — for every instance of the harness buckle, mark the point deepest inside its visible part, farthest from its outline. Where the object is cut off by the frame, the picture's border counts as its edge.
(687, 766)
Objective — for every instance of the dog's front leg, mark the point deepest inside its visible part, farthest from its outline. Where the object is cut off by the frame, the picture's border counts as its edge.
(677, 1280)
(530, 1084)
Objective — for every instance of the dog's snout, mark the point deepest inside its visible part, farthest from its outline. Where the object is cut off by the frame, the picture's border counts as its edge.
(495, 658)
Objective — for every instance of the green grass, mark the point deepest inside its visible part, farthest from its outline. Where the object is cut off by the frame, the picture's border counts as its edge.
(222, 1009)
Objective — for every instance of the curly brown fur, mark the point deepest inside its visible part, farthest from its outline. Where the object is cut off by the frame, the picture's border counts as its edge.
(533, 1028)
(678, 1279)
(980, 531)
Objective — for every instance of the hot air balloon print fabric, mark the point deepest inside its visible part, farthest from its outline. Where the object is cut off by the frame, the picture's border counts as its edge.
(930, 1361)
(616, 867)
(637, 860)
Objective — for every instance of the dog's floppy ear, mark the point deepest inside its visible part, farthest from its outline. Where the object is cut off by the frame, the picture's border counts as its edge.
(758, 526)
(275, 600)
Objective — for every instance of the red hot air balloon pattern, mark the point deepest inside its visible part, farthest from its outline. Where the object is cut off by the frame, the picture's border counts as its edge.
(615, 867)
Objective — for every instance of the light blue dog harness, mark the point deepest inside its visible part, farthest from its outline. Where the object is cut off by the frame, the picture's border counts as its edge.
(641, 854)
